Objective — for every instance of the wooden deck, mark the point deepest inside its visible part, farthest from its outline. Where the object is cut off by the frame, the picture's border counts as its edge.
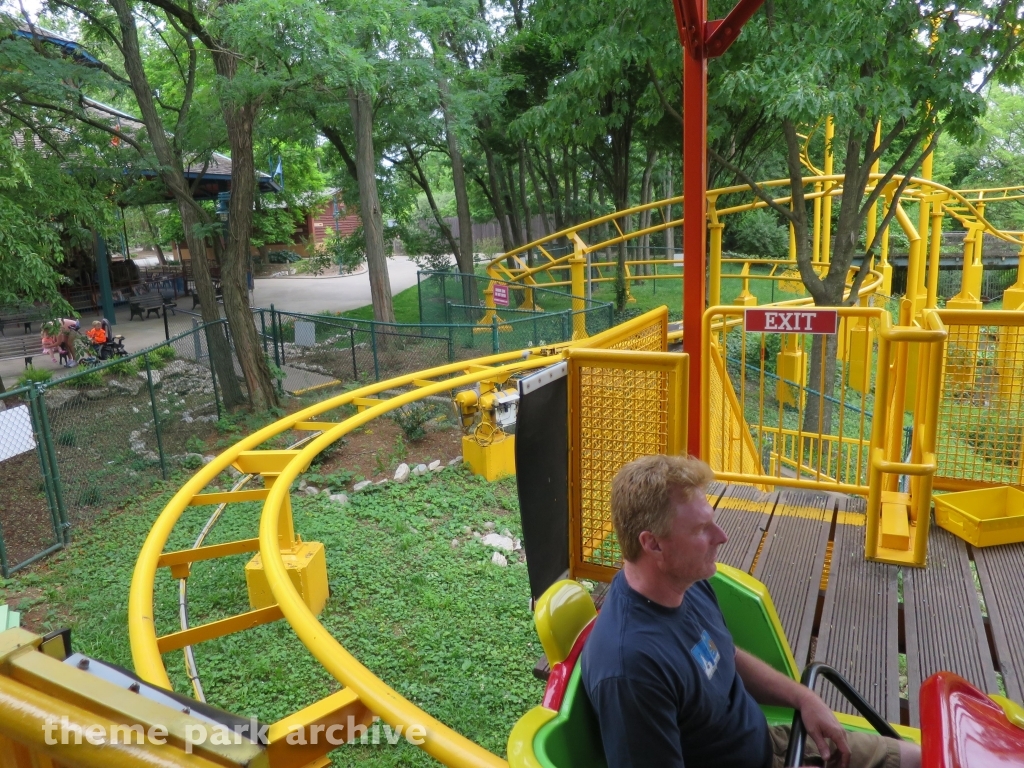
(884, 627)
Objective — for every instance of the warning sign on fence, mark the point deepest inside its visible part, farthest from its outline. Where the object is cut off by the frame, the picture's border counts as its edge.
(814, 321)
(500, 294)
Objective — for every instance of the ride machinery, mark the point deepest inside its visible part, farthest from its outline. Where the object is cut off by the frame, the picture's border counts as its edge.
(579, 410)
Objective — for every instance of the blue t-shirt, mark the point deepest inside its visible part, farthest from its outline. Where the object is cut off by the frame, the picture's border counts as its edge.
(664, 685)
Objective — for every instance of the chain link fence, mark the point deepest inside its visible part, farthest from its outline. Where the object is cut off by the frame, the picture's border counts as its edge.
(72, 445)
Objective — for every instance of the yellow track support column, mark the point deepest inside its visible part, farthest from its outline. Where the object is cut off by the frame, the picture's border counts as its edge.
(858, 352)
(826, 203)
(715, 228)
(577, 270)
(791, 365)
(935, 251)
(306, 561)
(745, 297)
(963, 343)
(1013, 297)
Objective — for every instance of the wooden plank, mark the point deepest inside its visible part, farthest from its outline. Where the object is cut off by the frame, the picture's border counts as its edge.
(743, 513)
(859, 629)
(1000, 570)
(791, 562)
(942, 615)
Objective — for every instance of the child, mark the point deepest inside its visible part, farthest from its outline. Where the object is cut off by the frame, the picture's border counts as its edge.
(96, 334)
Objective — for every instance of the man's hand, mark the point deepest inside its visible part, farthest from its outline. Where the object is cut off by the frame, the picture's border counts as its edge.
(822, 725)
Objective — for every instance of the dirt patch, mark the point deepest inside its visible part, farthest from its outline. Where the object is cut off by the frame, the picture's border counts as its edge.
(373, 452)
(25, 520)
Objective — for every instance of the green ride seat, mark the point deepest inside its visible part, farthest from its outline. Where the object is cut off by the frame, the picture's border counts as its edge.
(563, 731)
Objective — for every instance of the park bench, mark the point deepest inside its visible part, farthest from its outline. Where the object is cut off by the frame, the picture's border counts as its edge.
(218, 292)
(21, 346)
(82, 303)
(147, 305)
(21, 315)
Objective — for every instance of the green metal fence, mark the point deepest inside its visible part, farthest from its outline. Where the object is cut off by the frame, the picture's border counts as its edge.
(97, 436)
(72, 446)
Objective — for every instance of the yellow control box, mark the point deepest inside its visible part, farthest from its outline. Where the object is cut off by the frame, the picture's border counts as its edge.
(491, 461)
(307, 568)
(983, 517)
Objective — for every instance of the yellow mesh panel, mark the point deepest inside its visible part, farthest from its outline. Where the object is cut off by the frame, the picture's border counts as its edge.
(623, 415)
(730, 447)
(981, 413)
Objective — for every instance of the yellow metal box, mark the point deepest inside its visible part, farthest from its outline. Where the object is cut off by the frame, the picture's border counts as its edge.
(983, 517)
(491, 461)
(307, 568)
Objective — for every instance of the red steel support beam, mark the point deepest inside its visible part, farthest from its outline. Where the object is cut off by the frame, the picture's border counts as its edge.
(701, 39)
(695, 132)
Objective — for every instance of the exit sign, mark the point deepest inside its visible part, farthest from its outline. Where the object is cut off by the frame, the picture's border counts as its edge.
(814, 321)
(500, 294)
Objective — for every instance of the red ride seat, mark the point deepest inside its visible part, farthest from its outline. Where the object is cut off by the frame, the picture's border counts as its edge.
(961, 727)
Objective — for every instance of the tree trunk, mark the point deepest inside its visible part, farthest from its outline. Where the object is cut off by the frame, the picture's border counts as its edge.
(155, 235)
(239, 119)
(369, 206)
(524, 200)
(172, 174)
(220, 350)
(670, 233)
(465, 256)
(508, 188)
(497, 202)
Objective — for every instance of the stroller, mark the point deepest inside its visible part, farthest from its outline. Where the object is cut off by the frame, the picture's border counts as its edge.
(112, 347)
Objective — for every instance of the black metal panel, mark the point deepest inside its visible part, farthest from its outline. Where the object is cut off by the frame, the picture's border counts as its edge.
(542, 476)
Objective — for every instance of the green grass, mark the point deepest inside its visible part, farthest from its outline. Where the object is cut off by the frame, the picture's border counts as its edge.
(406, 303)
(442, 625)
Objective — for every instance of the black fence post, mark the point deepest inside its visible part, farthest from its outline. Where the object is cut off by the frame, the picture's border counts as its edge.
(352, 346)
(156, 417)
(44, 464)
(58, 489)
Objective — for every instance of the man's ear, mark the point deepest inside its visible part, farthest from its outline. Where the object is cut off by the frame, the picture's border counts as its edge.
(649, 542)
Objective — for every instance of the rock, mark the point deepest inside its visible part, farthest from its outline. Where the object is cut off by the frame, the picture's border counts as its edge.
(517, 545)
(467, 530)
(455, 462)
(339, 498)
(157, 379)
(435, 466)
(455, 543)
(488, 526)
(381, 482)
(498, 542)
(402, 473)
(506, 532)
(476, 534)
(362, 484)
(97, 394)
(151, 456)
(208, 459)
(128, 386)
(499, 559)
(420, 470)
(311, 490)
(193, 457)
(302, 484)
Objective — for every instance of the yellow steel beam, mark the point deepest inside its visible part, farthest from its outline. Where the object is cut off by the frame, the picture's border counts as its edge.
(228, 497)
(315, 730)
(314, 426)
(262, 462)
(196, 635)
(211, 552)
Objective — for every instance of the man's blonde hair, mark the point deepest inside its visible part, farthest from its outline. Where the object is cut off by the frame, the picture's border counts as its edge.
(641, 492)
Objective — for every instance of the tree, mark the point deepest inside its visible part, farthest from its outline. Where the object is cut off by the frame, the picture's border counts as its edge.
(915, 69)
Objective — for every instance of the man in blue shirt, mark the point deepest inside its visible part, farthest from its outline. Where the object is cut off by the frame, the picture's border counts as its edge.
(669, 687)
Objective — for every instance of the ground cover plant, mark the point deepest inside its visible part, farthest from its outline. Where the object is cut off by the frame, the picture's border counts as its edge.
(415, 597)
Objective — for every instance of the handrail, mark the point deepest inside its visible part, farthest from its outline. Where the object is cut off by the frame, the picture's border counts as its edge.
(809, 679)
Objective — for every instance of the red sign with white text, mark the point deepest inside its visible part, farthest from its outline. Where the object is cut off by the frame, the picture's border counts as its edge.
(500, 295)
(814, 321)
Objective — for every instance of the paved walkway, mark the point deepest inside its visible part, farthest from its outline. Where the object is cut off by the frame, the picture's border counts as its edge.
(295, 294)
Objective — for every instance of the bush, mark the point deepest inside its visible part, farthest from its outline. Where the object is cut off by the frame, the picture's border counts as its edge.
(34, 376)
(348, 252)
(165, 352)
(86, 378)
(124, 368)
(757, 233)
(412, 418)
